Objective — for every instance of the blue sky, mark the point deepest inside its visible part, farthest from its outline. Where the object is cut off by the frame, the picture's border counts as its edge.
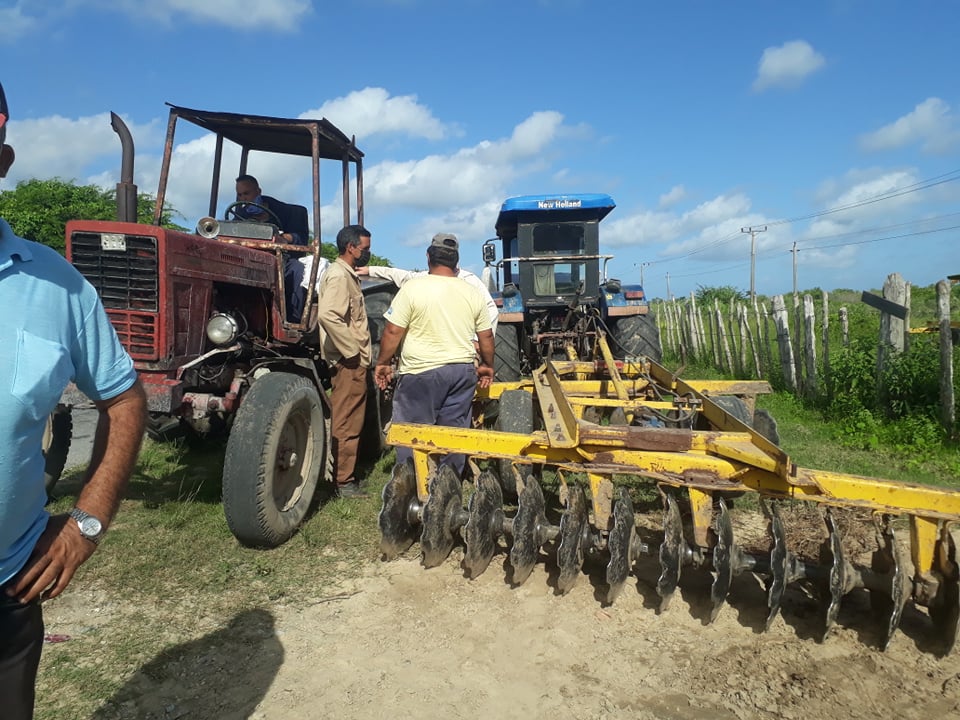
(836, 125)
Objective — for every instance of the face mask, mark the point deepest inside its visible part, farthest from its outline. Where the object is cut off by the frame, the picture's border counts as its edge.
(364, 258)
(249, 211)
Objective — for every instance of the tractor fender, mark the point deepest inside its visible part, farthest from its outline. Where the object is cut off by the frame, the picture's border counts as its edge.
(316, 372)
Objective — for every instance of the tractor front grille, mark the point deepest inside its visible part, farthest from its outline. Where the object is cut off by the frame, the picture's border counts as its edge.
(127, 282)
(125, 279)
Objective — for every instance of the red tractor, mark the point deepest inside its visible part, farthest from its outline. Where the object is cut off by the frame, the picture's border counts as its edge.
(204, 316)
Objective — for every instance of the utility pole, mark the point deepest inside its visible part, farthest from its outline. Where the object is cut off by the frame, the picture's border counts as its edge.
(753, 257)
(669, 296)
(641, 265)
(794, 251)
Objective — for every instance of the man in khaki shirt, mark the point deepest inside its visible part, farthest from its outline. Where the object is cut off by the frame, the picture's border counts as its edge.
(347, 348)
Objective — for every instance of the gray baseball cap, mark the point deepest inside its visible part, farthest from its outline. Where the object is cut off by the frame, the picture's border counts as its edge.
(445, 240)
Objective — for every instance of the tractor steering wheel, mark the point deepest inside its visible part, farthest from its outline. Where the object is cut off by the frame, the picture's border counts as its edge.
(233, 208)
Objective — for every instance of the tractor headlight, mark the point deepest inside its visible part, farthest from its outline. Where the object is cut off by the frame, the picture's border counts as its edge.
(223, 329)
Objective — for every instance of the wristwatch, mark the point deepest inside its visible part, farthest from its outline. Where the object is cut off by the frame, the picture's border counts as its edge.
(90, 527)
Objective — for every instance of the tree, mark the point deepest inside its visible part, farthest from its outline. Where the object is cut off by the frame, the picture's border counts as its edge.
(329, 251)
(39, 209)
(726, 293)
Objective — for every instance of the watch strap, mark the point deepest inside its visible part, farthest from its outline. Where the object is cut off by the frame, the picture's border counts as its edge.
(79, 515)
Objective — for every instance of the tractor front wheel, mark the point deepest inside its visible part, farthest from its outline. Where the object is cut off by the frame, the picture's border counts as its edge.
(274, 459)
(56, 445)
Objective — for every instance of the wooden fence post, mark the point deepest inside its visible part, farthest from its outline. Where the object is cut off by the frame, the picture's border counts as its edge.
(827, 378)
(947, 400)
(742, 325)
(694, 332)
(797, 346)
(906, 320)
(704, 353)
(745, 325)
(714, 342)
(891, 328)
(767, 351)
(677, 330)
(844, 327)
(783, 342)
(667, 338)
(682, 326)
(810, 345)
(722, 337)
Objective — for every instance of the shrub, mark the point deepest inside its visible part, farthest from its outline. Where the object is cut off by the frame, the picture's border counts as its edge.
(854, 379)
(912, 380)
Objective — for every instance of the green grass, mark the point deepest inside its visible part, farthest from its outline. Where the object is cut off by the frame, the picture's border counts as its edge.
(813, 442)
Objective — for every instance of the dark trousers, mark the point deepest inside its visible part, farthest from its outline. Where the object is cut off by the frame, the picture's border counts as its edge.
(21, 641)
(443, 396)
(296, 296)
(348, 403)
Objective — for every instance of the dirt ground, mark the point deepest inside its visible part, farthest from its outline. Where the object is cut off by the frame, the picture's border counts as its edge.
(399, 641)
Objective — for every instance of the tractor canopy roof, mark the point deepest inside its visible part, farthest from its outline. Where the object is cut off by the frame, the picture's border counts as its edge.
(551, 208)
(289, 136)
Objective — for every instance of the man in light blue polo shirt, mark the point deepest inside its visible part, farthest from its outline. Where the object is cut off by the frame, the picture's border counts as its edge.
(53, 329)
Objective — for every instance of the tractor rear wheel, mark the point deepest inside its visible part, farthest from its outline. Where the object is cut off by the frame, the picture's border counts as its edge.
(376, 415)
(56, 445)
(506, 358)
(376, 304)
(379, 409)
(515, 416)
(274, 459)
(636, 335)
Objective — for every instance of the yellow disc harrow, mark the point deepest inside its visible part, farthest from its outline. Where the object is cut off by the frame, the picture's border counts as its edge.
(702, 444)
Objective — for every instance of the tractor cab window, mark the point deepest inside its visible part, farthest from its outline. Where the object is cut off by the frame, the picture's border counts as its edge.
(552, 279)
(558, 239)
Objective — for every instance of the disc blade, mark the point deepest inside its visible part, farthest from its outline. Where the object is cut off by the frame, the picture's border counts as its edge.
(484, 524)
(439, 514)
(399, 495)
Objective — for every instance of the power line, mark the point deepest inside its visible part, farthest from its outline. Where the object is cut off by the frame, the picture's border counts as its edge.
(888, 195)
(770, 255)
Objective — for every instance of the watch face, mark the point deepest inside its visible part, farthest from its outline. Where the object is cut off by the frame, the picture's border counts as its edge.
(90, 527)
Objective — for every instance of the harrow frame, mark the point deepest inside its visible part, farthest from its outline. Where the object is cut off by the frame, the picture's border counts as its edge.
(709, 465)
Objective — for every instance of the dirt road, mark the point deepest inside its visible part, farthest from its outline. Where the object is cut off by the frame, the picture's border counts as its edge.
(399, 641)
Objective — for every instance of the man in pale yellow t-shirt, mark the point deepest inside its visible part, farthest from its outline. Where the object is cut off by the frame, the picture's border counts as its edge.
(436, 317)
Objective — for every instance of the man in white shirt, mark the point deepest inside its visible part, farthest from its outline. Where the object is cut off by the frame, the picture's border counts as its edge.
(398, 277)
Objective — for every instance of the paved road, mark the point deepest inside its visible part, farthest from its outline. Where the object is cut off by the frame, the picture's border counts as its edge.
(81, 444)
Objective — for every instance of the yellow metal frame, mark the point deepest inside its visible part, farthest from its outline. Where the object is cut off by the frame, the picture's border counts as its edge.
(734, 458)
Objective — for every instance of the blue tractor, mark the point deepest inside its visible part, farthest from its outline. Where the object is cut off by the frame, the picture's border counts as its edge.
(552, 288)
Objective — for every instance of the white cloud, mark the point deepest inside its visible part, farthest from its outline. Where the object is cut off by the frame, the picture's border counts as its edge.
(13, 22)
(264, 15)
(62, 147)
(863, 188)
(787, 65)
(673, 196)
(283, 15)
(372, 111)
(931, 124)
(459, 179)
(680, 233)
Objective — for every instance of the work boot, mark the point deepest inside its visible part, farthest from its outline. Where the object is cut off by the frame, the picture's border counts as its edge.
(351, 490)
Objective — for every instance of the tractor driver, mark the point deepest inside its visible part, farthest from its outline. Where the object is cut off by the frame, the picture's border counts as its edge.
(248, 191)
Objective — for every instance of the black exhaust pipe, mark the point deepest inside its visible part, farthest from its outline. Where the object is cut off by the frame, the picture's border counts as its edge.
(126, 190)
